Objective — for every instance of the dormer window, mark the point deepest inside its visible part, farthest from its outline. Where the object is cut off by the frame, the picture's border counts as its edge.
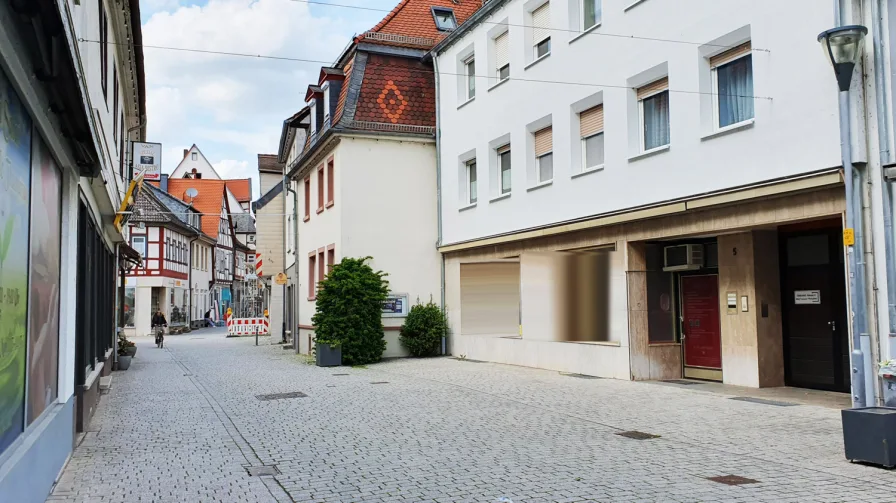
(444, 18)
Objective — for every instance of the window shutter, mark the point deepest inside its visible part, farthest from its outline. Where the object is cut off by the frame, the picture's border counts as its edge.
(503, 149)
(502, 54)
(653, 88)
(544, 141)
(591, 121)
(541, 23)
(730, 55)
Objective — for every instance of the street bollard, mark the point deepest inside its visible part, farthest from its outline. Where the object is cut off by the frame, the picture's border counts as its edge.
(256, 335)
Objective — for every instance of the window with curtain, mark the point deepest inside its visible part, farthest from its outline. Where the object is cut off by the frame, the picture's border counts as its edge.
(591, 131)
(733, 80)
(472, 188)
(654, 102)
(470, 70)
(541, 33)
(544, 154)
(504, 168)
(502, 56)
(590, 13)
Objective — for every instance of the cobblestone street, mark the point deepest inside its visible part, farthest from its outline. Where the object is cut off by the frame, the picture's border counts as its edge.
(184, 424)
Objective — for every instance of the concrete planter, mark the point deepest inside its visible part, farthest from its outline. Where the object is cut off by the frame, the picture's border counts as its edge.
(131, 351)
(327, 355)
(869, 435)
(124, 362)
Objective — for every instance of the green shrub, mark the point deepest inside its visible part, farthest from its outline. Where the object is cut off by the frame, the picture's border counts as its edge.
(349, 311)
(423, 329)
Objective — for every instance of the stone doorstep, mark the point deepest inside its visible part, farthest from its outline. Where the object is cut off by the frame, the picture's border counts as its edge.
(105, 384)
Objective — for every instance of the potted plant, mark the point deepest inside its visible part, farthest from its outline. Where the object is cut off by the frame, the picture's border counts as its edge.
(130, 349)
(124, 359)
(327, 353)
(869, 433)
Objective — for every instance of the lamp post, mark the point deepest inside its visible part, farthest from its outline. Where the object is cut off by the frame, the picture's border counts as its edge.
(843, 48)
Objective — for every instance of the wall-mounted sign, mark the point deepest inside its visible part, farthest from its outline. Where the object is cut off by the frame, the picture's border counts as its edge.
(807, 297)
(281, 278)
(396, 306)
(732, 302)
(147, 160)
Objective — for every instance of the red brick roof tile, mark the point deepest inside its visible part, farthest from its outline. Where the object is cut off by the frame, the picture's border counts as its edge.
(413, 18)
(241, 189)
(397, 90)
(208, 202)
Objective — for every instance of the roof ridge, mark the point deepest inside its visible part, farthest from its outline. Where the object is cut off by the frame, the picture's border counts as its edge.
(390, 16)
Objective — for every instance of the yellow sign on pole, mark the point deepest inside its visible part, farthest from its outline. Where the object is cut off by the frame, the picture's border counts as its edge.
(281, 278)
(849, 237)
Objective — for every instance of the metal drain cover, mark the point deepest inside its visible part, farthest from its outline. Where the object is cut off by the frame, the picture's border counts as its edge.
(682, 382)
(579, 376)
(763, 402)
(637, 435)
(380, 382)
(732, 480)
(340, 374)
(264, 470)
(281, 396)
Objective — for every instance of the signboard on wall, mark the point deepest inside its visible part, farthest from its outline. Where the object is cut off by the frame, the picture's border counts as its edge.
(396, 306)
(807, 297)
(147, 160)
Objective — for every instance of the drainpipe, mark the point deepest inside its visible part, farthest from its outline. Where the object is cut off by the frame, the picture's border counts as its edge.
(286, 238)
(118, 312)
(295, 290)
(190, 283)
(435, 67)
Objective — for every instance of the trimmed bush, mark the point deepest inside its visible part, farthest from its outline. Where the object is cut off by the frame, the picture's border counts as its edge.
(349, 311)
(423, 330)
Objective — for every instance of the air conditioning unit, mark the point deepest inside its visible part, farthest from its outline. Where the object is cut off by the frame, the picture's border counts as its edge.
(683, 258)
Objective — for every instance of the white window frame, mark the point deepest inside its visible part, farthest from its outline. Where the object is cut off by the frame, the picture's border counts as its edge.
(538, 167)
(470, 77)
(313, 106)
(501, 187)
(142, 239)
(507, 66)
(194, 156)
(643, 139)
(585, 166)
(716, 115)
(537, 43)
(326, 89)
(470, 168)
(597, 21)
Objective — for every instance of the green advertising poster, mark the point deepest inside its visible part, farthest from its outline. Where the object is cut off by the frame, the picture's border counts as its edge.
(15, 182)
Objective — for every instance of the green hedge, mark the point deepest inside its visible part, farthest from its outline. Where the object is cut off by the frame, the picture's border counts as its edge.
(423, 330)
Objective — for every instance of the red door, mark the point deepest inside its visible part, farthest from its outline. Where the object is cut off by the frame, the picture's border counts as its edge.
(700, 312)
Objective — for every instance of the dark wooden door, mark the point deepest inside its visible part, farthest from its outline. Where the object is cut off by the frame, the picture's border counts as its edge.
(816, 344)
(700, 313)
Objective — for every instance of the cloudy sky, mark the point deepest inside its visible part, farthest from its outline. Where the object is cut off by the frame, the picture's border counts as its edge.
(232, 107)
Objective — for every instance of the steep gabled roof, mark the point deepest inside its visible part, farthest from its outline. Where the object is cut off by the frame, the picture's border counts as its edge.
(208, 201)
(158, 207)
(240, 188)
(268, 163)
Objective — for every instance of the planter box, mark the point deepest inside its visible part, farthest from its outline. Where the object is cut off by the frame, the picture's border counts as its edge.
(328, 356)
(124, 362)
(869, 435)
(132, 351)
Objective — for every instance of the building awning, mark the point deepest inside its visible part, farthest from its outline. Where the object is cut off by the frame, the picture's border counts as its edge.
(127, 204)
(128, 257)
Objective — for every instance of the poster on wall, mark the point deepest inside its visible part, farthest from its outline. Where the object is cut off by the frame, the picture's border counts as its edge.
(147, 160)
(46, 249)
(15, 180)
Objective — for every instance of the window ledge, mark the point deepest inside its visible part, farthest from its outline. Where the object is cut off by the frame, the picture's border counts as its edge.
(505, 79)
(663, 344)
(330, 204)
(590, 170)
(540, 185)
(466, 103)
(499, 198)
(536, 61)
(471, 205)
(594, 343)
(94, 375)
(747, 124)
(584, 33)
(649, 153)
(633, 5)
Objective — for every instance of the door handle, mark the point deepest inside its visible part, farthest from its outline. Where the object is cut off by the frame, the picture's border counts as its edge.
(833, 325)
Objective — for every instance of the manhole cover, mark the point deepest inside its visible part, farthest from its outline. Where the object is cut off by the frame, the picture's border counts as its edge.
(579, 376)
(340, 374)
(281, 396)
(637, 435)
(763, 402)
(380, 382)
(732, 480)
(682, 382)
(261, 471)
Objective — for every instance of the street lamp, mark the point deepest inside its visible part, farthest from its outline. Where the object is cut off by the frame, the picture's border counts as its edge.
(843, 47)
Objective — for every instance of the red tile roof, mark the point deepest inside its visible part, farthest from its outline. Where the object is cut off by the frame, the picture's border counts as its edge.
(397, 90)
(208, 202)
(413, 18)
(241, 189)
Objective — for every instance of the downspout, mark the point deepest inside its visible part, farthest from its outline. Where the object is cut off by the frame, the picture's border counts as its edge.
(286, 238)
(295, 290)
(118, 312)
(190, 280)
(435, 68)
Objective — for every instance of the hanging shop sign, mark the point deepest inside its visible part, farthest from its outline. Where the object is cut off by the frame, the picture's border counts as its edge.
(147, 160)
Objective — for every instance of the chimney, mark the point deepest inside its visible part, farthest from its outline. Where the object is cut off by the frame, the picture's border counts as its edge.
(186, 152)
(163, 184)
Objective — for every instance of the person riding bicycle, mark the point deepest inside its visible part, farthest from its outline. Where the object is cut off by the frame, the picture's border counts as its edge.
(158, 325)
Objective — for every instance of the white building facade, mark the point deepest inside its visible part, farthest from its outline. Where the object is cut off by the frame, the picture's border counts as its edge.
(681, 184)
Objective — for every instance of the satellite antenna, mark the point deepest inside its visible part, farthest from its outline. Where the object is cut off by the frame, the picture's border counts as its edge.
(192, 193)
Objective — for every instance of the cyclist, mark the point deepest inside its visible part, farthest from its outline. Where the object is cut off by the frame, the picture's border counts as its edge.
(158, 327)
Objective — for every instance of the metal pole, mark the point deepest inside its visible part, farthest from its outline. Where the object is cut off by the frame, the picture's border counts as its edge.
(856, 272)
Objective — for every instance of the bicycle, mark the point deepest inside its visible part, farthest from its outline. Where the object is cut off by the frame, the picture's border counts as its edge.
(160, 336)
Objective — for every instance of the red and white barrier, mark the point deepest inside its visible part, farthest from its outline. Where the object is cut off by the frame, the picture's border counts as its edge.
(248, 326)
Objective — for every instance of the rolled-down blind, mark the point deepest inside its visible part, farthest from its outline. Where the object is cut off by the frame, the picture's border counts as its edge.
(502, 53)
(505, 148)
(544, 141)
(591, 121)
(541, 23)
(653, 88)
(730, 55)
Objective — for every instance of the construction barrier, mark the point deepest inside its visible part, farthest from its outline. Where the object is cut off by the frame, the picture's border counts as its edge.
(248, 326)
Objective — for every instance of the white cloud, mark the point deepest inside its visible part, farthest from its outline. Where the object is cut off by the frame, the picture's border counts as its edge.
(230, 169)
